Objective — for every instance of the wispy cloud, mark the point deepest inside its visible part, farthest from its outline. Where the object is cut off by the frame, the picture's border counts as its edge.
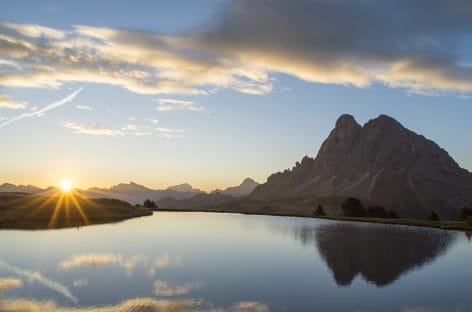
(98, 259)
(165, 261)
(166, 289)
(97, 129)
(35, 31)
(83, 107)
(7, 102)
(32, 277)
(81, 282)
(41, 111)
(170, 133)
(165, 105)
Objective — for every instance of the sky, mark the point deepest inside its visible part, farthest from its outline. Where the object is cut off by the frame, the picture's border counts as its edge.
(211, 92)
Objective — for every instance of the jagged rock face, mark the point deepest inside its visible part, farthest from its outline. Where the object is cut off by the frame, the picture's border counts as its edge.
(381, 162)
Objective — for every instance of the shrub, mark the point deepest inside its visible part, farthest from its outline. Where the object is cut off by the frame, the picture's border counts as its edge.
(433, 216)
(464, 213)
(352, 207)
(392, 214)
(149, 204)
(319, 211)
(377, 212)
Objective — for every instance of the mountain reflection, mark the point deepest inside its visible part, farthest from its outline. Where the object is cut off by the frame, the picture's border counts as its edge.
(381, 254)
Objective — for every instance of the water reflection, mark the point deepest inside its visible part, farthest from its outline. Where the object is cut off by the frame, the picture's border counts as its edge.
(381, 254)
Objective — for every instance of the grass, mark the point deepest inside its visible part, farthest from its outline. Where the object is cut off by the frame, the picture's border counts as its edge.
(24, 211)
(303, 209)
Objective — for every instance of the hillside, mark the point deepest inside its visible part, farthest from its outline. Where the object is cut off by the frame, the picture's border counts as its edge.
(25, 211)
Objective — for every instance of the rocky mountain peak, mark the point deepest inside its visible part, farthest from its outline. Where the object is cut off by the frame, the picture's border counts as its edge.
(382, 163)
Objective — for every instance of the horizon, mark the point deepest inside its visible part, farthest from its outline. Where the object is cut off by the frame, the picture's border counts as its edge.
(209, 106)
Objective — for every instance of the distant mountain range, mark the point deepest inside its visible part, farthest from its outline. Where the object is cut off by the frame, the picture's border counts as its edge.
(380, 162)
(135, 193)
(8, 187)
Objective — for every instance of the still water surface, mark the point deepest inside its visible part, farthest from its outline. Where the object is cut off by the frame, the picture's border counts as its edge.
(210, 261)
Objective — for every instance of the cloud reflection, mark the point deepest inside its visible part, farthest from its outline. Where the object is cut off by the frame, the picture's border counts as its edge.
(132, 305)
(32, 277)
(99, 259)
(166, 289)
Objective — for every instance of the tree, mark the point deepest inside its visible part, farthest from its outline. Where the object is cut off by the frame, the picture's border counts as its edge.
(433, 216)
(319, 211)
(150, 204)
(352, 207)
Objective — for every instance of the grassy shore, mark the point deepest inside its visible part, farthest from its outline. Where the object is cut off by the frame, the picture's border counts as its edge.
(24, 211)
(444, 225)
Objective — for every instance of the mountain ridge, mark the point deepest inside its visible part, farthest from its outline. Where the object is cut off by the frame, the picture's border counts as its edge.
(381, 162)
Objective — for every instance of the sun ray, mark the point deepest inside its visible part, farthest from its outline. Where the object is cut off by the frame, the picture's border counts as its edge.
(79, 208)
(57, 208)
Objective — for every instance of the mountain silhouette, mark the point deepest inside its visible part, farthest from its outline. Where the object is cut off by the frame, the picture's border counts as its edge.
(30, 189)
(380, 254)
(382, 163)
(243, 189)
(135, 193)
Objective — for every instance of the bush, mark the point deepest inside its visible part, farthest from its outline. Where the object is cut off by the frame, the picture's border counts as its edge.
(433, 216)
(377, 212)
(352, 207)
(149, 204)
(392, 214)
(464, 213)
(319, 211)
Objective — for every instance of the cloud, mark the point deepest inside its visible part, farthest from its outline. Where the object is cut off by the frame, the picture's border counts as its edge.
(81, 282)
(35, 31)
(7, 283)
(97, 129)
(41, 111)
(418, 46)
(166, 289)
(165, 105)
(128, 129)
(170, 133)
(83, 107)
(132, 305)
(39, 278)
(7, 102)
(163, 262)
(99, 259)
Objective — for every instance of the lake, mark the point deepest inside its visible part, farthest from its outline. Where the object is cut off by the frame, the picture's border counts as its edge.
(176, 261)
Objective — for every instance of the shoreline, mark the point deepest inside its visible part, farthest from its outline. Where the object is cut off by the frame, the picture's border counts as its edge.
(442, 225)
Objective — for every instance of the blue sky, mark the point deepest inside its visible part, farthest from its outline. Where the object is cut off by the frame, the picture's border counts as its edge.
(217, 102)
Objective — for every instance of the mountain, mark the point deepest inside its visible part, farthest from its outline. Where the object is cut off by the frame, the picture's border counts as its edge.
(197, 201)
(243, 189)
(8, 187)
(136, 194)
(380, 162)
(184, 187)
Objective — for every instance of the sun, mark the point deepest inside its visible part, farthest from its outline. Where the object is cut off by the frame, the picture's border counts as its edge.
(66, 185)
